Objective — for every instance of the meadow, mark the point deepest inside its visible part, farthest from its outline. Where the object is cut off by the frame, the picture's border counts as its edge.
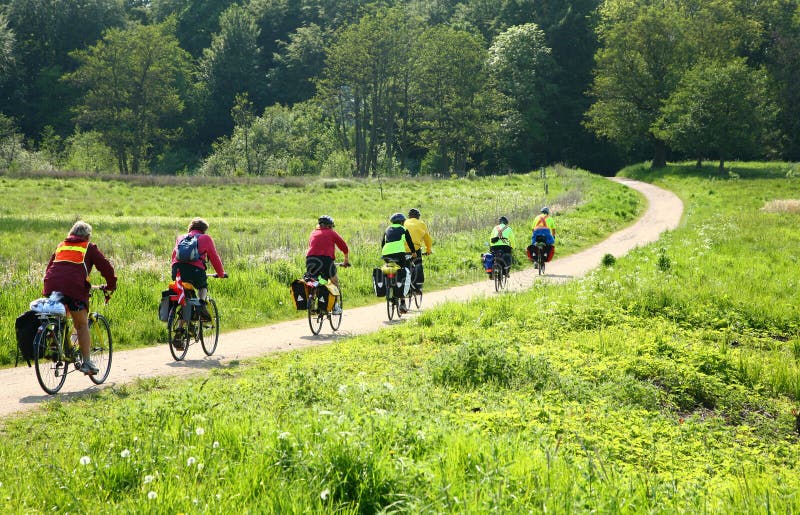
(261, 230)
(665, 381)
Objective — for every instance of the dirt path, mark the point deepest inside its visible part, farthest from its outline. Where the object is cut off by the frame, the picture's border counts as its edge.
(21, 392)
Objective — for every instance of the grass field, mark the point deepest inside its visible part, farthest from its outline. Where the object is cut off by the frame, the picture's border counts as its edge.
(261, 230)
(668, 382)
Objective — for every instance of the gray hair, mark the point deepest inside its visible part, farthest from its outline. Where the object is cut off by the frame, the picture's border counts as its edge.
(81, 229)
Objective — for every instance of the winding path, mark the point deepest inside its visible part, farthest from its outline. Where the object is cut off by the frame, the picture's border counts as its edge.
(21, 392)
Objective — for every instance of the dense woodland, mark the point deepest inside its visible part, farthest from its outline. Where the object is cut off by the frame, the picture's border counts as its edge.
(356, 88)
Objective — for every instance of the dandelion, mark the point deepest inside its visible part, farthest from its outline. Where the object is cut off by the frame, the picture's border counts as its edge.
(85, 460)
(215, 445)
(388, 386)
(200, 431)
(342, 389)
(191, 461)
(151, 495)
(324, 494)
(125, 453)
(148, 479)
(284, 435)
(200, 466)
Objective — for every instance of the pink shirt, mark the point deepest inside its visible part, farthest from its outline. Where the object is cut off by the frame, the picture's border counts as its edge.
(323, 242)
(205, 245)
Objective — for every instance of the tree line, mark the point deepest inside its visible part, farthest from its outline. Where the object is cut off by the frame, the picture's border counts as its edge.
(356, 88)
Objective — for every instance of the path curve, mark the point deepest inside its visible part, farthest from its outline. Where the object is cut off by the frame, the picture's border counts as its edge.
(21, 391)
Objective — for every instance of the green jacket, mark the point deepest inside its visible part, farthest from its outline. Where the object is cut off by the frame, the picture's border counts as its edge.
(505, 235)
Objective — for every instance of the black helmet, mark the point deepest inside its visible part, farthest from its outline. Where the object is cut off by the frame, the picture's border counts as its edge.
(325, 220)
(398, 218)
(413, 213)
(503, 220)
(546, 210)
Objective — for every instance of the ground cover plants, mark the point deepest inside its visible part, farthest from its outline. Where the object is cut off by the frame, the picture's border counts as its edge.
(662, 382)
(262, 228)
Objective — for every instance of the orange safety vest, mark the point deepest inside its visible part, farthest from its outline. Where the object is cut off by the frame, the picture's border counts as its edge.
(72, 252)
(540, 223)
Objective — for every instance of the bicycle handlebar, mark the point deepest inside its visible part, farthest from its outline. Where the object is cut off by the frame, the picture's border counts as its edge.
(223, 276)
(106, 292)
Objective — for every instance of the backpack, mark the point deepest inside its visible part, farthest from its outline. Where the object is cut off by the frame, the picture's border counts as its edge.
(186, 251)
(27, 325)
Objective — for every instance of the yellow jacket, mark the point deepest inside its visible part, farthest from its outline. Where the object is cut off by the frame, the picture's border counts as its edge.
(419, 234)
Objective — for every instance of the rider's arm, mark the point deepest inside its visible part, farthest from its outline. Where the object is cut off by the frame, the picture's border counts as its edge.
(342, 245)
(103, 266)
(206, 245)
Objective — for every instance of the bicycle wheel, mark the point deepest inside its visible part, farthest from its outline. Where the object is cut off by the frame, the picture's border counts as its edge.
(173, 325)
(390, 306)
(497, 275)
(416, 295)
(209, 331)
(102, 347)
(51, 370)
(336, 319)
(314, 316)
(541, 265)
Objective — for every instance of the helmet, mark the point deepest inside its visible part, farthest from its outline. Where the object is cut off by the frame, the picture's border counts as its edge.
(503, 220)
(325, 220)
(398, 218)
(546, 210)
(413, 213)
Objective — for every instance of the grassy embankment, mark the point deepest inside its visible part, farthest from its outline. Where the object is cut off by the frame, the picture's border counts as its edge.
(667, 382)
(262, 228)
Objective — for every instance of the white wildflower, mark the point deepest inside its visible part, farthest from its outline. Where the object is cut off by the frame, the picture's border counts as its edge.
(324, 494)
(200, 466)
(85, 460)
(284, 435)
(125, 453)
(215, 445)
(151, 495)
(148, 479)
(191, 461)
(200, 431)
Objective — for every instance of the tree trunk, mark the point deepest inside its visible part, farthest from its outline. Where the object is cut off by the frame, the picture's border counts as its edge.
(659, 155)
(721, 166)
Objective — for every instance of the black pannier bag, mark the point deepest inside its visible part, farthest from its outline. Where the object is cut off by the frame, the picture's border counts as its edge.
(27, 325)
(399, 283)
(379, 282)
(299, 294)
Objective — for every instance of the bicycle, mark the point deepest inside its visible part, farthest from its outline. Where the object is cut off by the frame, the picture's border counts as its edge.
(541, 253)
(185, 320)
(54, 352)
(498, 274)
(415, 293)
(390, 270)
(317, 308)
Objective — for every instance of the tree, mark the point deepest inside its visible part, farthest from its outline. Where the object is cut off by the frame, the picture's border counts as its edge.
(132, 80)
(6, 49)
(645, 49)
(197, 20)
(718, 110)
(516, 61)
(229, 66)
(296, 64)
(450, 76)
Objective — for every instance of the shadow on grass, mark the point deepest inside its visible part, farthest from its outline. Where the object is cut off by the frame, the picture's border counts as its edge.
(732, 171)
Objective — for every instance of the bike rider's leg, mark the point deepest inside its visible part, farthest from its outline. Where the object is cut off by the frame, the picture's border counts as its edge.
(80, 320)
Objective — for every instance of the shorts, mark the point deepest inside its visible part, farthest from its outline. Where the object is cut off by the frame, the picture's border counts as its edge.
(399, 258)
(321, 266)
(191, 274)
(74, 305)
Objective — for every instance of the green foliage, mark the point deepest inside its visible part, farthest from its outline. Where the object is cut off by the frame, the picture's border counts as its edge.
(608, 260)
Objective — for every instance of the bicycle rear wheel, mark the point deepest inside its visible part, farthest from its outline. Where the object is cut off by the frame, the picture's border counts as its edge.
(51, 370)
(102, 347)
(336, 319)
(391, 307)
(315, 317)
(209, 331)
(173, 327)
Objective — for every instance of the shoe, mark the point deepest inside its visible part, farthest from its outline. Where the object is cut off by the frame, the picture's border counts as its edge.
(89, 368)
(337, 310)
(535, 265)
(205, 316)
(177, 340)
(402, 308)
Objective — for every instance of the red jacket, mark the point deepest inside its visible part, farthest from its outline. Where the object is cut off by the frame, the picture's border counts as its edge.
(207, 250)
(323, 242)
(72, 279)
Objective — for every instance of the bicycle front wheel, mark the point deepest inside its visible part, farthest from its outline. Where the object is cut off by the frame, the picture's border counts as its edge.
(102, 347)
(51, 369)
(336, 318)
(315, 316)
(209, 331)
(178, 336)
(417, 296)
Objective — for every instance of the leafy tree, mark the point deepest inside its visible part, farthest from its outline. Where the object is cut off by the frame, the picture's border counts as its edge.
(197, 20)
(229, 66)
(645, 49)
(132, 80)
(718, 110)
(515, 64)
(6, 49)
(296, 64)
(450, 76)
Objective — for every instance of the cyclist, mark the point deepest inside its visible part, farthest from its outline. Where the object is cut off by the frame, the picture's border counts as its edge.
(543, 226)
(321, 254)
(68, 272)
(422, 239)
(502, 241)
(194, 272)
(393, 248)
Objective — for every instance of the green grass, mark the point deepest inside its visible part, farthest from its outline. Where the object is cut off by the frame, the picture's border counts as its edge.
(659, 383)
(261, 230)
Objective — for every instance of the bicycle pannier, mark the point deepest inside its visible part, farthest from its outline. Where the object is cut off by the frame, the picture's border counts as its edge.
(165, 305)
(399, 283)
(328, 296)
(379, 282)
(27, 325)
(488, 261)
(299, 294)
(186, 251)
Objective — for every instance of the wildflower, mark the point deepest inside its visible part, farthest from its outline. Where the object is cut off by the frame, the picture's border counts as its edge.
(85, 460)
(284, 435)
(151, 495)
(125, 453)
(191, 461)
(148, 479)
(200, 466)
(215, 445)
(200, 431)
(325, 412)
(342, 389)
(388, 386)
(324, 494)
(218, 496)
